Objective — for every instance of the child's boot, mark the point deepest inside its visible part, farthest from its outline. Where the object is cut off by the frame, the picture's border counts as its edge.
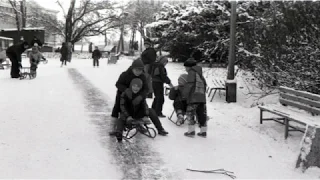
(119, 136)
(203, 131)
(191, 131)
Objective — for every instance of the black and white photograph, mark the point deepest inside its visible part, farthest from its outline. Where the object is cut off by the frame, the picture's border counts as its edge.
(159, 89)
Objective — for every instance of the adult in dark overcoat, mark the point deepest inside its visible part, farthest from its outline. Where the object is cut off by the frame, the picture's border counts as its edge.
(14, 54)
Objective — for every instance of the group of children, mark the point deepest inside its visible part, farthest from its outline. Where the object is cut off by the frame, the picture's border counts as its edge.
(189, 97)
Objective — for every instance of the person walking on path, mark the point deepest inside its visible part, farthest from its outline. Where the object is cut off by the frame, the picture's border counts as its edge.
(64, 54)
(96, 55)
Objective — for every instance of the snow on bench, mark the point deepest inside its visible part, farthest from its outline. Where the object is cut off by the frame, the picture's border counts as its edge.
(298, 106)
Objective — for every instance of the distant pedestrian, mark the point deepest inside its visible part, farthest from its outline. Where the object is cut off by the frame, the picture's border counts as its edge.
(64, 54)
(96, 55)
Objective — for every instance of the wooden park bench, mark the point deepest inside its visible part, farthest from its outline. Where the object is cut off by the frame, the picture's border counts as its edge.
(216, 85)
(298, 106)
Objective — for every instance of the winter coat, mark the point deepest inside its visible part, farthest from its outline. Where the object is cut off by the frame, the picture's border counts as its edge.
(195, 88)
(159, 73)
(125, 79)
(96, 54)
(64, 52)
(35, 57)
(14, 52)
(149, 56)
(128, 109)
(179, 102)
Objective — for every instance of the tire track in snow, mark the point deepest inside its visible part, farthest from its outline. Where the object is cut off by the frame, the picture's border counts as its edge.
(136, 159)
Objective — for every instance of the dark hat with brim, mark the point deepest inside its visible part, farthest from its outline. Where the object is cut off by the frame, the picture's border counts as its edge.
(190, 62)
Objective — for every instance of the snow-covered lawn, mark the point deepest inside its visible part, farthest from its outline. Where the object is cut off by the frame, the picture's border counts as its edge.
(46, 134)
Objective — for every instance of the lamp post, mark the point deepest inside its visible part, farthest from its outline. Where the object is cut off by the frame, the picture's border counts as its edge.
(231, 84)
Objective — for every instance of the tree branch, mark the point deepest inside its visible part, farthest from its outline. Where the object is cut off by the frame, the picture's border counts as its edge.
(64, 12)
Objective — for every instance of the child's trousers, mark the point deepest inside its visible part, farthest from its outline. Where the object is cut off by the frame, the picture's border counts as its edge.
(199, 110)
(158, 101)
(95, 62)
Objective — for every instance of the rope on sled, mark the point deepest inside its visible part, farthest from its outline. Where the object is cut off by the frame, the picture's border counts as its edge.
(216, 171)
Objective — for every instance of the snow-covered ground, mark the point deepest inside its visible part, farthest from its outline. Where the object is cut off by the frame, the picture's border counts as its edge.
(47, 132)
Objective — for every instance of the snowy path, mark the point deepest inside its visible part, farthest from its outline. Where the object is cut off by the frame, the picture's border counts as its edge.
(60, 124)
(45, 131)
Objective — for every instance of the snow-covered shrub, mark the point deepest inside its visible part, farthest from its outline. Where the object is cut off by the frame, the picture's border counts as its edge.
(276, 40)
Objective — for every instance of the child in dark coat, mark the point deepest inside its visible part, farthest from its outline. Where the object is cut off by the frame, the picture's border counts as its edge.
(123, 83)
(195, 94)
(130, 111)
(159, 77)
(96, 55)
(179, 102)
(134, 112)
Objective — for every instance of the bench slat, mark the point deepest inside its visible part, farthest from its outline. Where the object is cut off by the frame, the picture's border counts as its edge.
(217, 84)
(300, 93)
(298, 105)
(289, 114)
(301, 100)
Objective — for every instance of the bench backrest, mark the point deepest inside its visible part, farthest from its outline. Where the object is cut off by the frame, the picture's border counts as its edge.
(218, 83)
(300, 99)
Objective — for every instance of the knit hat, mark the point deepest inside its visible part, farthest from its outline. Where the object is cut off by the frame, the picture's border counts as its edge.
(182, 80)
(137, 82)
(147, 41)
(163, 60)
(190, 62)
(137, 64)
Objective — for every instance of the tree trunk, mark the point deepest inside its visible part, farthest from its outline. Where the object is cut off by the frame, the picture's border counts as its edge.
(23, 13)
(141, 35)
(69, 28)
(310, 149)
(105, 39)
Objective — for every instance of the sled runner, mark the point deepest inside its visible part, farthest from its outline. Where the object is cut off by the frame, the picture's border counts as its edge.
(132, 129)
(25, 71)
(177, 122)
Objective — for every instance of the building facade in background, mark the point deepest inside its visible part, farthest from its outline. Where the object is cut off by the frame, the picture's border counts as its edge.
(33, 11)
(7, 15)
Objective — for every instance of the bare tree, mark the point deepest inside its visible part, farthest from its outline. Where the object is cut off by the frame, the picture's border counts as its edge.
(91, 18)
(37, 17)
(20, 14)
(142, 13)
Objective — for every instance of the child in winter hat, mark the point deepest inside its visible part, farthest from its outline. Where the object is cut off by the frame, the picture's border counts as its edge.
(136, 85)
(179, 102)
